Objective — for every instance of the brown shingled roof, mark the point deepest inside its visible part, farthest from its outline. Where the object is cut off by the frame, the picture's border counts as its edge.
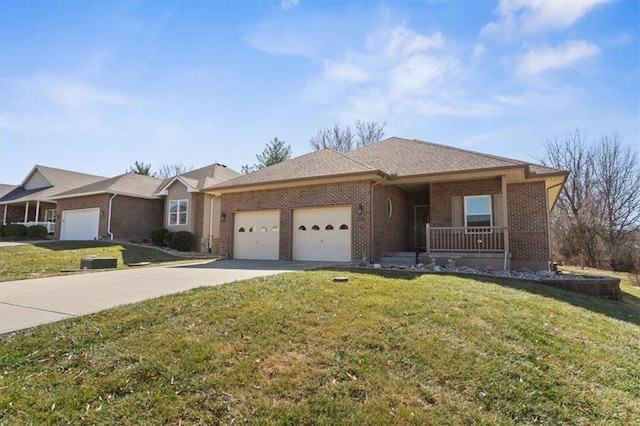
(404, 157)
(394, 157)
(323, 163)
(203, 177)
(129, 184)
(61, 180)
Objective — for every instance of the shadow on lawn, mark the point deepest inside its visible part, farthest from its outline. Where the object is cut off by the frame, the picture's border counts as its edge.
(130, 253)
(628, 310)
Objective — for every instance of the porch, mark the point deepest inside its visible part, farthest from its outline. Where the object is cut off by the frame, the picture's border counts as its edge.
(457, 245)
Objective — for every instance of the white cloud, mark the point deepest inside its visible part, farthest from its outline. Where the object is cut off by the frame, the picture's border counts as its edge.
(537, 16)
(288, 4)
(546, 58)
(418, 73)
(402, 42)
(479, 50)
(345, 72)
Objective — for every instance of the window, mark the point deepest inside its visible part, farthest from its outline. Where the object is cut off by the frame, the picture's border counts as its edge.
(329, 227)
(302, 228)
(344, 226)
(315, 228)
(50, 216)
(477, 211)
(178, 212)
(241, 230)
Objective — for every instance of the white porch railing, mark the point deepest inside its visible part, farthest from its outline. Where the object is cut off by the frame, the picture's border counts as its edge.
(51, 226)
(465, 239)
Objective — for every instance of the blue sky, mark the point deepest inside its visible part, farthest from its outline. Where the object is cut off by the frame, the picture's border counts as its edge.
(95, 86)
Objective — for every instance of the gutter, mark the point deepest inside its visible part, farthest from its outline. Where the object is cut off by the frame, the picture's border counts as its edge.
(109, 217)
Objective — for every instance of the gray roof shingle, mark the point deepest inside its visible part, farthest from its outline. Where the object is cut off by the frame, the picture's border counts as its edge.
(130, 184)
(323, 163)
(61, 180)
(395, 157)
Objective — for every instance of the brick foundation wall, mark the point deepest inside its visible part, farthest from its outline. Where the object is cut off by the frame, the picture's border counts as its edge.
(391, 233)
(528, 225)
(287, 199)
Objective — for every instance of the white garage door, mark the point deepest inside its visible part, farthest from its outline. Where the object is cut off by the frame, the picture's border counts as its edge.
(80, 224)
(256, 235)
(322, 233)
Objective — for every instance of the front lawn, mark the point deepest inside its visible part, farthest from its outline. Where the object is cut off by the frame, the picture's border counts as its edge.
(50, 258)
(383, 348)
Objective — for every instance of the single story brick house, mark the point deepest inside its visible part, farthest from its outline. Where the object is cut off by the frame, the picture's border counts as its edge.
(124, 207)
(397, 195)
(32, 202)
(187, 208)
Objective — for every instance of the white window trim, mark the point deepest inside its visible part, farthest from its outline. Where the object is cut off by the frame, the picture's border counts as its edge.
(475, 228)
(177, 213)
(46, 215)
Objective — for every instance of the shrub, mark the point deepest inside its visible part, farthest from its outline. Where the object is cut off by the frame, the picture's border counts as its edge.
(157, 236)
(37, 231)
(168, 239)
(183, 241)
(2, 230)
(15, 230)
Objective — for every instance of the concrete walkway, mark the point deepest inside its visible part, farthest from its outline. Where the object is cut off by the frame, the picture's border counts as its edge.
(28, 303)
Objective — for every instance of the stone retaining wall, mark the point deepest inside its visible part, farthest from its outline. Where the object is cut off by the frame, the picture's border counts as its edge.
(605, 287)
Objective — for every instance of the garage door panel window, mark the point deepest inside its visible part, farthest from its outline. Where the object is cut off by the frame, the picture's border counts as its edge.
(178, 210)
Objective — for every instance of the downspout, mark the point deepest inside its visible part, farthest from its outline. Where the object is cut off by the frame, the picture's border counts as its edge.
(211, 223)
(4, 218)
(371, 219)
(109, 217)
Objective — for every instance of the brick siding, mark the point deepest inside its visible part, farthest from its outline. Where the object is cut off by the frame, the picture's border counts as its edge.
(391, 233)
(287, 199)
(131, 218)
(528, 224)
(440, 197)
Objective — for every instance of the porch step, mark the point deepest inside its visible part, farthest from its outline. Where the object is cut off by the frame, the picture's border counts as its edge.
(398, 258)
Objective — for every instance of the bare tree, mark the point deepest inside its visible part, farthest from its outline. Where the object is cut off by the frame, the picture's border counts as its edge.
(344, 139)
(368, 132)
(617, 170)
(598, 213)
(170, 170)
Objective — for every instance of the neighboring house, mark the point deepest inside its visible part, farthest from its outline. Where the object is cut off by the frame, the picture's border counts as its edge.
(397, 195)
(124, 207)
(32, 203)
(187, 208)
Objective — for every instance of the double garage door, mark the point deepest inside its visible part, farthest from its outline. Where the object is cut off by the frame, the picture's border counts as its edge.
(322, 233)
(80, 224)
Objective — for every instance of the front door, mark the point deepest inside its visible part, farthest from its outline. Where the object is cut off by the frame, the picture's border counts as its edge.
(421, 217)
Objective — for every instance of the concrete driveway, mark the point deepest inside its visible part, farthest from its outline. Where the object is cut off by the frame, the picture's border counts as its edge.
(28, 303)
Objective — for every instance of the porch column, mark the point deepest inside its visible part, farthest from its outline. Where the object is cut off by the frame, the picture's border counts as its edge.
(505, 218)
(26, 212)
(37, 211)
(4, 218)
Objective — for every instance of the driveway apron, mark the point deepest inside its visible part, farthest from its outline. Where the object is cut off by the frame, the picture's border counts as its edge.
(28, 303)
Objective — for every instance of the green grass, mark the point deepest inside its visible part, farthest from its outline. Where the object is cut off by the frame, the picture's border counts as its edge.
(384, 348)
(49, 259)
